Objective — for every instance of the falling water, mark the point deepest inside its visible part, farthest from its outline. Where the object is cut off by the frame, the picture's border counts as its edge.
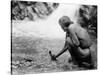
(48, 27)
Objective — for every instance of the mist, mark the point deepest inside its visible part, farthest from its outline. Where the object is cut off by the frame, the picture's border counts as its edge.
(49, 27)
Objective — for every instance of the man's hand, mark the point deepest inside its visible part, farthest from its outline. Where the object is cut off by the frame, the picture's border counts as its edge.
(53, 57)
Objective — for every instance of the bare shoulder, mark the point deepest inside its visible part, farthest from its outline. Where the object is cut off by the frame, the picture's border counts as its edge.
(74, 27)
(80, 31)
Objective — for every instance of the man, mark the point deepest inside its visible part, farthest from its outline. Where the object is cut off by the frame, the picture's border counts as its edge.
(77, 41)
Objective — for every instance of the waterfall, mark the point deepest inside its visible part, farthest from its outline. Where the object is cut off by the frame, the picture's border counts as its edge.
(48, 27)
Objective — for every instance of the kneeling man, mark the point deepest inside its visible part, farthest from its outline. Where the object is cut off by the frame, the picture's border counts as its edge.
(77, 41)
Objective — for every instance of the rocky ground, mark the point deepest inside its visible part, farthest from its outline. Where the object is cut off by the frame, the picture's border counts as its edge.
(31, 55)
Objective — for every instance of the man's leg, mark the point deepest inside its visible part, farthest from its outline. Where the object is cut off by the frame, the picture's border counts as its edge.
(86, 58)
(93, 50)
(83, 52)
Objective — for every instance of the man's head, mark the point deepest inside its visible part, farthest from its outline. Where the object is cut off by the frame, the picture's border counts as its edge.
(65, 22)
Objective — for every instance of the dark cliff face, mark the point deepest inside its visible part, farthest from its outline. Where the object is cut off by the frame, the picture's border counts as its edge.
(87, 17)
(21, 10)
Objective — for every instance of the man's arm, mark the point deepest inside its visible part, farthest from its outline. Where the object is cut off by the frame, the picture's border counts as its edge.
(73, 37)
(53, 57)
(63, 50)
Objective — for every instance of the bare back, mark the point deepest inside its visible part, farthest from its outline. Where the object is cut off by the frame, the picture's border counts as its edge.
(82, 35)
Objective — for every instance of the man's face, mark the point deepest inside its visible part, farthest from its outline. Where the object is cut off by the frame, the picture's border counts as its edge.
(64, 28)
